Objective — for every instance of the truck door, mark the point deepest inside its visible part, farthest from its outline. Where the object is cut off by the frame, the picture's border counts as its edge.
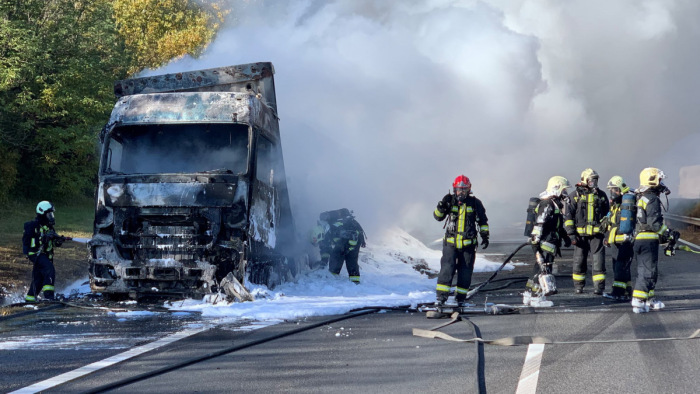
(264, 210)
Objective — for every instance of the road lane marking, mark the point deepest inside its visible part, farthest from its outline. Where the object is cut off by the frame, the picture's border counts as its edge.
(96, 366)
(531, 369)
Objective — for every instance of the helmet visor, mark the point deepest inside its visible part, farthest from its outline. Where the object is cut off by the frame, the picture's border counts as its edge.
(461, 191)
(592, 182)
(50, 217)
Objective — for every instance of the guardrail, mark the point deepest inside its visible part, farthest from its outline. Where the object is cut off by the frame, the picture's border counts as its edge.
(683, 219)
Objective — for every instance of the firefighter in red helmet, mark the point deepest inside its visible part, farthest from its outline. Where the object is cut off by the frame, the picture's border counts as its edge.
(466, 217)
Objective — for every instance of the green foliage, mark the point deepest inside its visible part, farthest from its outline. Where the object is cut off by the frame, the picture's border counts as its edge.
(156, 31)
(58, 62)
(72, 219)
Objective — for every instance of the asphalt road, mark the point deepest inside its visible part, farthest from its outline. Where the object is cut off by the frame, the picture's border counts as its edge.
(594, 345)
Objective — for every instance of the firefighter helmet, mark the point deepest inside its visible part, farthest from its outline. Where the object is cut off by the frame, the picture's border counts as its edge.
(462, 182)
(45, 209)
(587, 174)
(619, 183)
(651, 177)
(556, 185)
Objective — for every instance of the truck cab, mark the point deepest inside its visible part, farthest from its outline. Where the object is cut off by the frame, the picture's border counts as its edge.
(192, 186)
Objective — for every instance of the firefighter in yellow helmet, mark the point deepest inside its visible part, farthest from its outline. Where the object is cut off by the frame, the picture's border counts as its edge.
(650, 231)
(547, 236)
(587, 208)
(620, 235)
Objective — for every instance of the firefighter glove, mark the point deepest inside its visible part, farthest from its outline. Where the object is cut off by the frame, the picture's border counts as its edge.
(576, 240)
(567, 242)
(446, 201)
(484, 242)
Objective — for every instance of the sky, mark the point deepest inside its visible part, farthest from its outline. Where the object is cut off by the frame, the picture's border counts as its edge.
(383, 103)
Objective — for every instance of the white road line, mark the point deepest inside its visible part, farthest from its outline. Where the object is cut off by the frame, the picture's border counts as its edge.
(531, 369)
(90, 368)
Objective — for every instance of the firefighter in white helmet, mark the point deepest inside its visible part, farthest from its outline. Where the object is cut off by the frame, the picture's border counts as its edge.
(587, 208)
(620, 235)
(547, 236)
(650, 231)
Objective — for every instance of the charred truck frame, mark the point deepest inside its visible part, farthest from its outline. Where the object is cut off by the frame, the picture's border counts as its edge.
(192, 186)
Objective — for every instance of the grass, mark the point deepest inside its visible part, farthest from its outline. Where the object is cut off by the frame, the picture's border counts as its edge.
(72, 219)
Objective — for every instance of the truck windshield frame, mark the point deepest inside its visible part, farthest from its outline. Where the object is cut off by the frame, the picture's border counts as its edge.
(177, 148)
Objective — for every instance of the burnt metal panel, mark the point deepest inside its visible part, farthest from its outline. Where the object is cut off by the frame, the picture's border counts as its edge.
(201, 107)
(253, 77)
(169, 194)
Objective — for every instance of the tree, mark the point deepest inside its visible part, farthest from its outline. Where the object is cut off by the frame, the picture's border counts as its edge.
(156, 31)
(58, 62)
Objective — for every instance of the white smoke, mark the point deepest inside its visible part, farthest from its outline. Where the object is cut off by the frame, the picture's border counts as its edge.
(384, 103)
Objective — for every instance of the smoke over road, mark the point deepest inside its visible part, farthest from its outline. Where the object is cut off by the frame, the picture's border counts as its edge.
(383, 103)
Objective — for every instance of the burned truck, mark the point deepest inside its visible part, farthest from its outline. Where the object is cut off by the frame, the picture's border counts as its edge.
(192, 186)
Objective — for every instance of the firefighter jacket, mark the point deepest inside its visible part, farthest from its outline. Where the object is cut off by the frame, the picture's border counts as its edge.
(548, 231)
(613, 222)
(650, 221)
(586, 210)
(463, 219)
(38, 239)
(346, 234)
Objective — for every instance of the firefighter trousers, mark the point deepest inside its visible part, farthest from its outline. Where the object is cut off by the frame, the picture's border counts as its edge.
(592, 245)
(621, 269)
(646, 252)
(43, 277)
(349, 257)
(533, 284)
(459, 261)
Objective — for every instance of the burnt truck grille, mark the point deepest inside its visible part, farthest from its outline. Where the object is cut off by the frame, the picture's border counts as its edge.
(181, 243)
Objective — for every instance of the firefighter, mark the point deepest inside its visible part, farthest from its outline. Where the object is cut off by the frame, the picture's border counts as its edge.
(620, 237)
(587, 207)
(346, 238)
(650, 231)
(39, 240)
(464, 213)
(548, 234)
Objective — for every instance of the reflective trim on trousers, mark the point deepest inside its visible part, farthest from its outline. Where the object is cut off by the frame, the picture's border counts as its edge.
(355, 278)
(598, 278)
(640, 294)
(461, 290)
(578, 277)
(620, 284)
(444, 288)
(548, 247)
(29, 298)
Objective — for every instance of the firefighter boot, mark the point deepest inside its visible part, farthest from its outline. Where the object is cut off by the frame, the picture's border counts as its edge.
(639, 305)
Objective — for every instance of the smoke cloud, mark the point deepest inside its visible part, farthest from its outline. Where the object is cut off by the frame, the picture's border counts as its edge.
(384, 103)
